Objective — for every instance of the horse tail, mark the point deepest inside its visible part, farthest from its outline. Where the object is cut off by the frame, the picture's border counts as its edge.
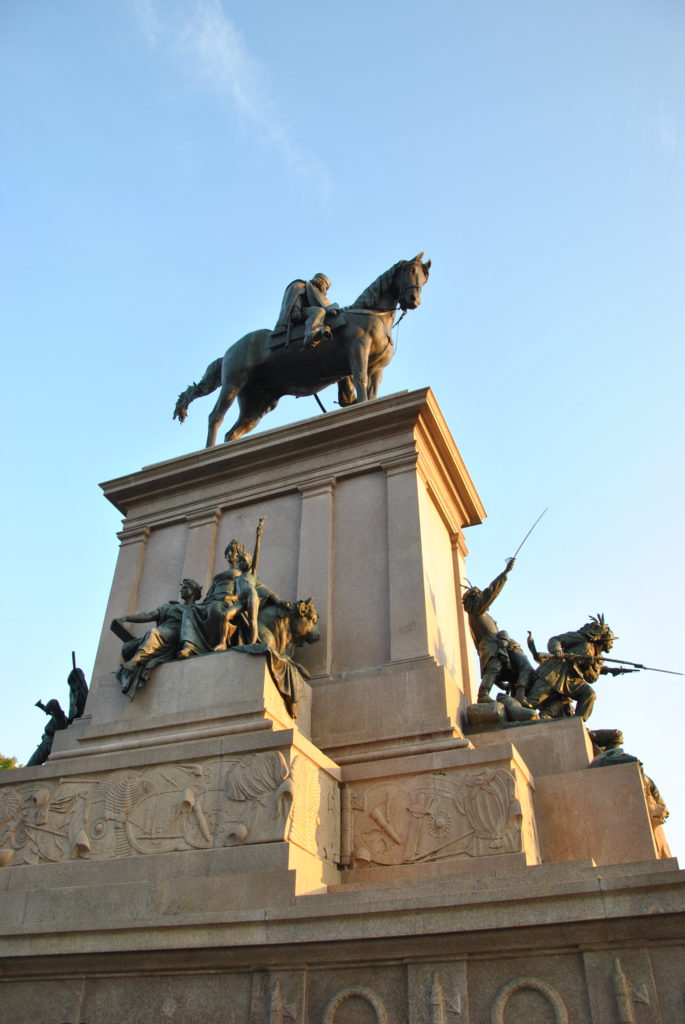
(211, 380)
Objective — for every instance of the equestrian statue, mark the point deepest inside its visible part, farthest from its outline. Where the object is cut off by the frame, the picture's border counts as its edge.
(315, 343)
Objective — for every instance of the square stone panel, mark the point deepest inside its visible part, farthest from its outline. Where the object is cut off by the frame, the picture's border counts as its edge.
(180, 999)
(41, 1002)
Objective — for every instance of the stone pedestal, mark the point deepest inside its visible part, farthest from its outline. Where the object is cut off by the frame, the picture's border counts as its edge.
(197, 856)
(365, 512)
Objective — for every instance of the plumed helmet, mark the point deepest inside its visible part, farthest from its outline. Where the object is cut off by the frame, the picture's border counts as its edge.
(597, 629)
(470, 599)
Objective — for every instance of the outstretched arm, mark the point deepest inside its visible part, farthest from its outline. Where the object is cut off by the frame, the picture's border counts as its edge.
(140, 617)
(492, 591)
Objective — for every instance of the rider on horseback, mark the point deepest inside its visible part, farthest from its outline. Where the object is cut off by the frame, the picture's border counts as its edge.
(306, 302)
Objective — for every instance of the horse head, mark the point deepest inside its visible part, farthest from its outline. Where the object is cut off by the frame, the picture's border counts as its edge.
(410, 279)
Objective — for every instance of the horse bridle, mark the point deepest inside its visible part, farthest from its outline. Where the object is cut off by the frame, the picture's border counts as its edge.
(412, 287)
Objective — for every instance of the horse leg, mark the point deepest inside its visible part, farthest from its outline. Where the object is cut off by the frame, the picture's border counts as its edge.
(359, 370)
(346, 395)
(375, 378)
(216, 416)
(253, 406)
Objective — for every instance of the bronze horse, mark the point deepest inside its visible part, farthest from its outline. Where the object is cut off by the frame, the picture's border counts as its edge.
(258, 374)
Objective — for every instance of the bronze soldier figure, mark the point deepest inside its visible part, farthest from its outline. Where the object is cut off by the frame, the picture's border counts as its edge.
(307, 302)
(576, 662)
(501, 659)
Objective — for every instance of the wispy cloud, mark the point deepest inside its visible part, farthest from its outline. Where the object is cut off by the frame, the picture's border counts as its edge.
(212, 51)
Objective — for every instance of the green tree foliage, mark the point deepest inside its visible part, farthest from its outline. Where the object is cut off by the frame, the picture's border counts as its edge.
(8, 762)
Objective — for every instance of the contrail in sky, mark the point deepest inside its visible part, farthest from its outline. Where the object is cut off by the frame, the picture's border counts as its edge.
(213, 51)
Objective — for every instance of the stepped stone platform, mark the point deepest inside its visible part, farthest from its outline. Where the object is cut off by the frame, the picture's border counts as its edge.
(197, 855)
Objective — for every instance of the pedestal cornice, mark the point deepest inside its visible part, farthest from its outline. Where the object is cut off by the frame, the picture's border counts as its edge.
(407, 425)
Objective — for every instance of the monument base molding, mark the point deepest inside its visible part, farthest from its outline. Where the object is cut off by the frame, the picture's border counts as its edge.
(554, 942)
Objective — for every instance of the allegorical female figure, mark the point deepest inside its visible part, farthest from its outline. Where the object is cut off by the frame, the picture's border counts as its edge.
(231, 604)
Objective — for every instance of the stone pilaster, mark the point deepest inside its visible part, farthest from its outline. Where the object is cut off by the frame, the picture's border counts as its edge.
(314, 567)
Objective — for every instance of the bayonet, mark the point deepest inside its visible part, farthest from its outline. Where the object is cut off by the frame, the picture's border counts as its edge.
(616, 661)
(590, 657)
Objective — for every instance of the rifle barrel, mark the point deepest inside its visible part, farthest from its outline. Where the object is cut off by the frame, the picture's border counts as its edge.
(620, 661)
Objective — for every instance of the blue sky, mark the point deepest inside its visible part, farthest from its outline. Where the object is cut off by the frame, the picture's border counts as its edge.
(169, 165)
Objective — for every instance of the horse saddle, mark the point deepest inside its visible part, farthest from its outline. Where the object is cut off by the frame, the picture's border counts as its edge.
(293, 334)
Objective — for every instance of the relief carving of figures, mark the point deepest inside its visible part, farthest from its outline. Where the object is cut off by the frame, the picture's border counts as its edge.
(43, 824)
(470, 814)
(126, 813)
(488, 802)
(259, 794)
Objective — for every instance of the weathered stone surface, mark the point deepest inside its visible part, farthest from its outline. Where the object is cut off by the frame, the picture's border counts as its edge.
(434, 808)
(211, 695)
(485, 717)
(586, 814)
(546, 747)
(194, 856)
(366, 508)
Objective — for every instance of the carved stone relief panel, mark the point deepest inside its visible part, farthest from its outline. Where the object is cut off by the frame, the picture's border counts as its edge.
(432, 817)
(436, 993)
(278, 997)
(623, 986)
(251, 798)
(315, 815)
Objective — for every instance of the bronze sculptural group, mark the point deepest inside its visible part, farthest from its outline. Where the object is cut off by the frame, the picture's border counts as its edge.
(575, 660)
(560, 683)
(160, 644)
(314, 344)
(563, 677)
(78, 694)
(239, 612)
